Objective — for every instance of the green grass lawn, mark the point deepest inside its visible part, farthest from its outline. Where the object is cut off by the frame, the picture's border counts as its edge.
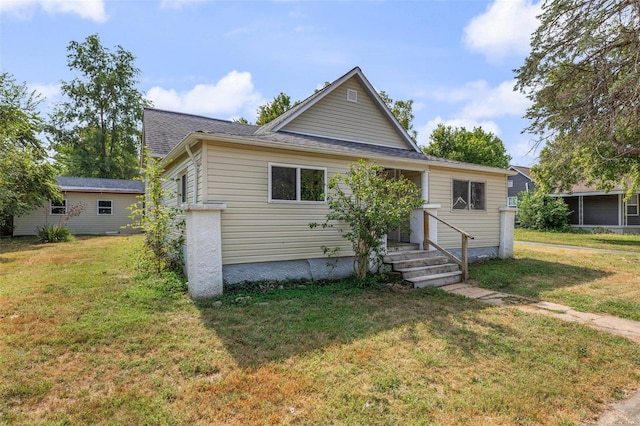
(589, 281)
(620, 242)
(86, 339)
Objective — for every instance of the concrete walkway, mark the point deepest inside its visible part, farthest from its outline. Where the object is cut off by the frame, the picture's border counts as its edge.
(623, 413)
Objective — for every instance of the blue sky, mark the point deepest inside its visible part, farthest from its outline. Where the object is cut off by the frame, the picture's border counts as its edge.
(223, 59)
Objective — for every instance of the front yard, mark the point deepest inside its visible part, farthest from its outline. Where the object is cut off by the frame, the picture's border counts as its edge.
(85, 339)
(589, 281)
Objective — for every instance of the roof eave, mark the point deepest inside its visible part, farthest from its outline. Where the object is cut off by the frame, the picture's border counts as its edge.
(194, 137)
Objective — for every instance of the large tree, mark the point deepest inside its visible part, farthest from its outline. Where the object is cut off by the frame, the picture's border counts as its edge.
(27, 180)
(271, 110)
(471, 146)
(403, 111)
(583, 80)
(96, 131)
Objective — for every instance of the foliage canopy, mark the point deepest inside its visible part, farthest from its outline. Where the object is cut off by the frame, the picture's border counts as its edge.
(475, 146)
(403, 111)
(96, 131)
(273, 109)
(582, 78)
(27, 180)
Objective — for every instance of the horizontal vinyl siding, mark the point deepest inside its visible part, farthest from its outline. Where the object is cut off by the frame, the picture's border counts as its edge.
(89, 222)
(335, 117)
(483, 225)
(254, 230)
(174, 171)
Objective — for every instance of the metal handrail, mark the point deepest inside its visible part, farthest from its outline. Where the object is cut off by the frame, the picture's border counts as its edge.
(464, 262)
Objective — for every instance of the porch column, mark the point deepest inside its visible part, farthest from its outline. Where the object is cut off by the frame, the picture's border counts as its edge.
(204, 249)
(507, 225)
(417, 216)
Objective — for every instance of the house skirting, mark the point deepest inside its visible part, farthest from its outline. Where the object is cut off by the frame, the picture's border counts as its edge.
(307, 269)
(477, 254)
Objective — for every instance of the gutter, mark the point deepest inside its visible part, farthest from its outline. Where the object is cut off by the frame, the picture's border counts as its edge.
(196, 166)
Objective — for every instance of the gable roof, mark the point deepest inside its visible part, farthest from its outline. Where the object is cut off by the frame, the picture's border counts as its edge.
(78, 184)
(280, 122)
(166, 133)
(524, 171)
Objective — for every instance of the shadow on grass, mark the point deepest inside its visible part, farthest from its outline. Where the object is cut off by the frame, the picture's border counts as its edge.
(624, 242)
(17, 244)
(531, 277)
(293, 322)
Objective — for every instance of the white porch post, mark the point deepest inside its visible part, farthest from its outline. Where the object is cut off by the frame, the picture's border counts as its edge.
(507, 225)
(417, 216)
(204, 249)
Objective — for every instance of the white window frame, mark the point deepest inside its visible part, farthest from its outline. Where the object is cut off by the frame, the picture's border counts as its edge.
(512, 201)
(298, 188)
(509, 183)
(110, 208)
(182, 187)
(63, 205)
(635, 204)
(468, 202)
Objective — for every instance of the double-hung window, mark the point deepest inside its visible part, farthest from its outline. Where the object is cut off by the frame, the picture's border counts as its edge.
(58, 207)
(632, 205)
(105, 207)
(296, 183)
(468, 195)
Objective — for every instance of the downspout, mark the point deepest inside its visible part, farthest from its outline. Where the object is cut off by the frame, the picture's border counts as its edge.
(196, 167)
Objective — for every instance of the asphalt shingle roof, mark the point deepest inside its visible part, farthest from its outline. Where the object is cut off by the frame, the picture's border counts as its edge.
(163, 130)
(100, 185)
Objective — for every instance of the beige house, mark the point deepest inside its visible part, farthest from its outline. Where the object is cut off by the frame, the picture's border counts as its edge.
(105, 202)
(249, 192)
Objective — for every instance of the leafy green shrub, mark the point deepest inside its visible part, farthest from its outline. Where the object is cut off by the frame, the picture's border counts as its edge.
(54, 234)
(542, 212)
(162, 225)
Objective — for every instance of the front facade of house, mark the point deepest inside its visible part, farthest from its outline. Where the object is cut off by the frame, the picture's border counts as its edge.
(261, 187)
(105, 204)
(592, 209)
(517, 183)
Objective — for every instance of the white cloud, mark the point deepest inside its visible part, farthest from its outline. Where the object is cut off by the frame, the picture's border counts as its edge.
(231, 96)
(496, 102)
(483, 101)
(87, 9)
(48, 91)
(504, 29)
(177, 4)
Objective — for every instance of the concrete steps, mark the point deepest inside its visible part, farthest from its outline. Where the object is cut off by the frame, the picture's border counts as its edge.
(422, 268)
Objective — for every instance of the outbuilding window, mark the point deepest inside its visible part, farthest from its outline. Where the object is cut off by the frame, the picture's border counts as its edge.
(468, 195)
(632, 205)
(58, 207)
(105, 207)
(296, 183)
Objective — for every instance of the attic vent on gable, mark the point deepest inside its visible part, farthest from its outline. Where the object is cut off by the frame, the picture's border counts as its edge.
(352, 95)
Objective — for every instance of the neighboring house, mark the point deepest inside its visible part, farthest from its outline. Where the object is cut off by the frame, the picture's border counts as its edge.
(521, 181)
(591, 208)
(106, 202)
(250, 192)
